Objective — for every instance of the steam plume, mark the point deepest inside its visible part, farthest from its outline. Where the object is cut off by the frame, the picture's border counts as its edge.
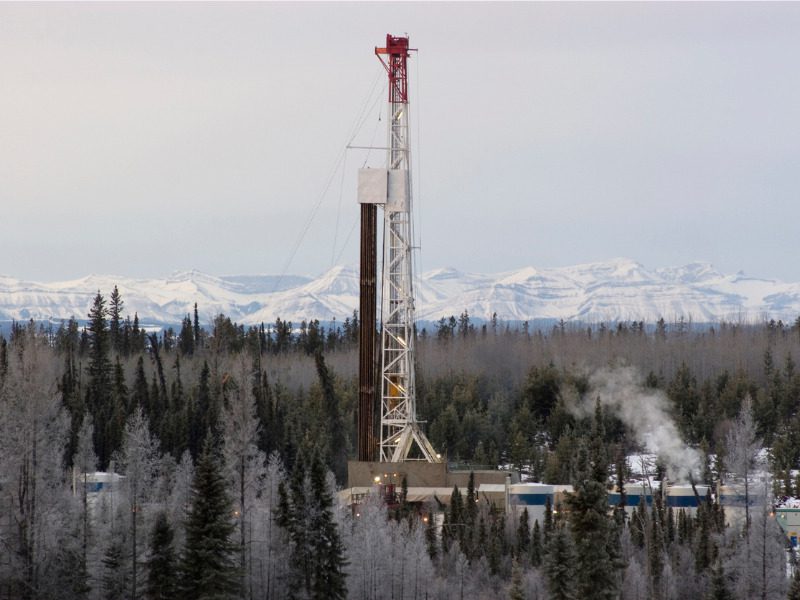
(645, 412)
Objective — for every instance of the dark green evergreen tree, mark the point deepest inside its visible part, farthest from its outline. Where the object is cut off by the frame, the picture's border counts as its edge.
(113, 415)
(140, 397)
(430, 537)
(316, 553)
(559, 566)
(176, 439)
(523, 534)
(202, 421)
(3, 359)
(470, 515)
(98, 391)
(591, 527)
(496, 543)
(536, 545)
(115, 320)
(208, 567)
(186, 337)
(655, 551)
(328, 559)
(720, 588)
(548, 520)
(337, 453)
(137, 336)
(116, 578)
(198, 337)
(162, 563)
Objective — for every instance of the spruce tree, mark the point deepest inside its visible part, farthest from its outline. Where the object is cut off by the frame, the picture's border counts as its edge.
(337, 452)
(161, 565)
(196, 326)
(536, 545)
(720, 589)
(559, 566)
(430, 537)
(704, 546)
(655, 549)
(591, 527)
(3, 359)
(202, 421)
(328, 560)
(186, 337)
(116, 577)
(115, 319)
(98, 392)
(208, 567)
(480, 546)
(316, 552)
(496, 543)
(470, 514)
(456, 516)
(523, 534)
(113, 415)
(548, 520)
(140, 396)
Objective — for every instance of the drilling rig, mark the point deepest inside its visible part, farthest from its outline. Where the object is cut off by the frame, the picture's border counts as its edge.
(396, 448)
(400, 438)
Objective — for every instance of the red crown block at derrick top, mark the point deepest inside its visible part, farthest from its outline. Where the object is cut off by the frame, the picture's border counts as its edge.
(396, 51)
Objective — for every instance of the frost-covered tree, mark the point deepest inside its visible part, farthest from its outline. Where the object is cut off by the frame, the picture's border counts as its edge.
(139, 462)
(742, 447)
(794, 588)
(757, 564)
(635, 585)
(244, 462)
(271, 554)
(180, 495)
(84, 463)
(515, 590)
(33, 435)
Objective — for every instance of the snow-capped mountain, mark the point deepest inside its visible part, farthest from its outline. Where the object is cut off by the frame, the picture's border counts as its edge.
(616, 290)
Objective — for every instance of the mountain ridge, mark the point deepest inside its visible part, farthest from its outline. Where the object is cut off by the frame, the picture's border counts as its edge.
(619, 289)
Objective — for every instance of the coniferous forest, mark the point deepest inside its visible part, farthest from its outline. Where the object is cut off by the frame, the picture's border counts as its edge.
(230, 444)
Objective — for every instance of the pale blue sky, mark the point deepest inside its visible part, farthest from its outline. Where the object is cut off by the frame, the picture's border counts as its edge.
(139, 139)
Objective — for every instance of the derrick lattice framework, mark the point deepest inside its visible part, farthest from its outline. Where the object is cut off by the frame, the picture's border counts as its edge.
(401, 437)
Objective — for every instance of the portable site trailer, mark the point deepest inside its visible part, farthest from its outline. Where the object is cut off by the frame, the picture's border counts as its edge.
(789, 521)
(734, 500)
(95, 483)
(683, 496)
(533, 496)
(634, 493)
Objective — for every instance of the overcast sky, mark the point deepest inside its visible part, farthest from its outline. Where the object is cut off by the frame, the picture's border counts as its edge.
(140, 139)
